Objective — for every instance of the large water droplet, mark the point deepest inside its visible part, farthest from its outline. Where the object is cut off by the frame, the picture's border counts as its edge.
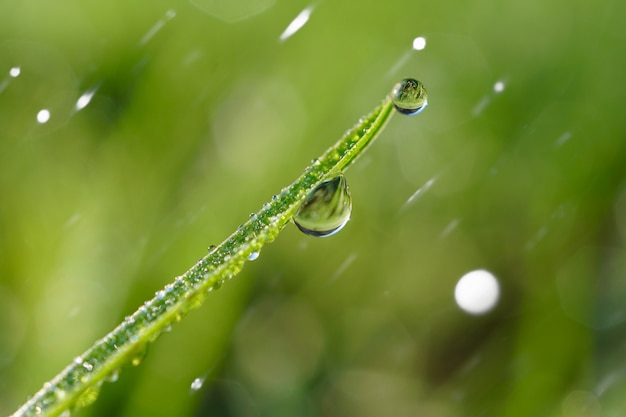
(409, 96)
(326, 209)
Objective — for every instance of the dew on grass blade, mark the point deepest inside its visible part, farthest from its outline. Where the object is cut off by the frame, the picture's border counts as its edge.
(326, 209)
(409, 96)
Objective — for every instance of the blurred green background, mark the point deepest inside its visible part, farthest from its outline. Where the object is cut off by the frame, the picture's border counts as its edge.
(197, 112)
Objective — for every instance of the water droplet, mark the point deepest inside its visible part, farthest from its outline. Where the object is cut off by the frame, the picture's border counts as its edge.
(197, 384)
(89, 396)
(326, 209)
(138, 355)
(253, 255)
(113, 376)
(60, 394)
(409, 96)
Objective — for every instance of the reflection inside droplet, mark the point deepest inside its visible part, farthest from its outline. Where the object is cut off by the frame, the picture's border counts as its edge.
(477, 292)
(409, 96)
(326, 209)
(43, 116)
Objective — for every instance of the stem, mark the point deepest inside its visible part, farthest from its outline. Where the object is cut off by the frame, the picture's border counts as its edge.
(78, 384)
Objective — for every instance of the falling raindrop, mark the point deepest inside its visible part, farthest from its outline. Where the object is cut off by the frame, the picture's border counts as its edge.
(409, 96)
(197, 384)
(326, 209)
(296, 24)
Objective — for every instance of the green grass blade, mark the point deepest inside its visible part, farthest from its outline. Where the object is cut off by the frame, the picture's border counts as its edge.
(78, 384)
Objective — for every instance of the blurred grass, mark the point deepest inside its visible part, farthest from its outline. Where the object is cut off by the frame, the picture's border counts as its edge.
(191, 130)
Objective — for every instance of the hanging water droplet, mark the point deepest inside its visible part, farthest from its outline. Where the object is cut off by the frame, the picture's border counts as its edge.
(89, 396)
(409, 96)
(138, 355)
(113, 376)
(253, 255)
(326, 209)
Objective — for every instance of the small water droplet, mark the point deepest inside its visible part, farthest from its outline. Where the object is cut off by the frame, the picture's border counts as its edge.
(409, 96)
(212, 248)
(113, 376)
(138, 355)
(326, 209)
(89, 396)
(60, 394)
(197, 384)
(253, 255)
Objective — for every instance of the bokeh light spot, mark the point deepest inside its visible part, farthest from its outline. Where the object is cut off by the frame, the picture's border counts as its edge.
(419, 43)
(498, 87)
(477, 292)
(43, 116)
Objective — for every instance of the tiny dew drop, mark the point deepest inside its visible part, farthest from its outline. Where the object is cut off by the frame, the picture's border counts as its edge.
(253, 255)
(113, 376)
(326, 209)
(409, 96)
(89, 396)
(138, 355)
